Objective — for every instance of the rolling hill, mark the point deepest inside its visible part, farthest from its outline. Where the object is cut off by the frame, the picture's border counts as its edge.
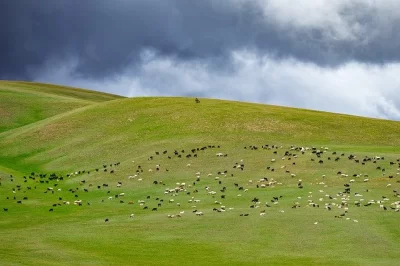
(23, 103)
(156, 158)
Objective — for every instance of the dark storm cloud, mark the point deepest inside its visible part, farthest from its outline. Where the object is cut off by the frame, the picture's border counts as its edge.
(107, 36)
(332, 55)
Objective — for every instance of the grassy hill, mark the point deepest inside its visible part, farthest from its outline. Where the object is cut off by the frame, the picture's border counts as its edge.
(100, 139)
(24, 103)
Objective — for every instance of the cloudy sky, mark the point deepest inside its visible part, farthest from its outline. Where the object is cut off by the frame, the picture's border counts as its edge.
(334, 55)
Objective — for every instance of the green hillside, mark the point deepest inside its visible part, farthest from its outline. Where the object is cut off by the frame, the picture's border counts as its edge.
(167, 181)
(24, 103)
(111, 130)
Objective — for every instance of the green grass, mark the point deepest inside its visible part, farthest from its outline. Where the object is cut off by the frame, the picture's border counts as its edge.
(23, 103)
(85, 136)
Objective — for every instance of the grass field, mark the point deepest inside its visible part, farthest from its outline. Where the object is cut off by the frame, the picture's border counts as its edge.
(46, 129)
(23, 103)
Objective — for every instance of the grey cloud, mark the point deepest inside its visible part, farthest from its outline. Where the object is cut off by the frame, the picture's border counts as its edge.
(108, 36)
(341, 58)
(353, 88)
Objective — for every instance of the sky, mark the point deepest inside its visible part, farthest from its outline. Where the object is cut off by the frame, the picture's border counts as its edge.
(333, 55)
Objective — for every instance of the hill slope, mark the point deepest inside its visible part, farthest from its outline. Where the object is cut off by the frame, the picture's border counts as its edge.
(111, 130)
(138, 182)
(24, 103)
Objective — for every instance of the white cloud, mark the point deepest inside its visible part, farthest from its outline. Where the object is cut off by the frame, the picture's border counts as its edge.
(338, 20)
(353, 88)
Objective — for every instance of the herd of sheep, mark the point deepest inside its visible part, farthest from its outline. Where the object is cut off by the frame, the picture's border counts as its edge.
(202, 185)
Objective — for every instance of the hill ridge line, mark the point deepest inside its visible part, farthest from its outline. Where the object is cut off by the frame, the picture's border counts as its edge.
(57, 86)
(23, 129)
(63, 97)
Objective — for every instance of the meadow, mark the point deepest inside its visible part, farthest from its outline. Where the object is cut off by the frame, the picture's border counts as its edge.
(261, 215)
